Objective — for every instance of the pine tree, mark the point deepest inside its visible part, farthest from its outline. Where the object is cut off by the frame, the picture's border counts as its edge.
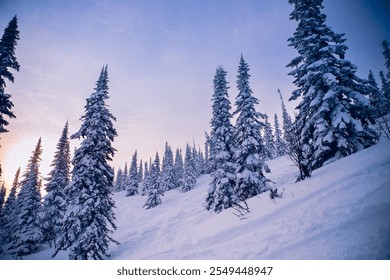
(168, 170)
(146, 181)
(155, 191)
(294, 147)
(54, 204)
(7, 60)
(280, 145)
(179, 169)
(125, 178)
(189, 172)
(89, 219)
(27, 235)
(221, 194)
(269, 141)
(133, 183)
(118, 180)
(207, 161)
(9, 213)
(140, 172)
(334, 114)
(249, 151)
(376, 98)
(3, 192)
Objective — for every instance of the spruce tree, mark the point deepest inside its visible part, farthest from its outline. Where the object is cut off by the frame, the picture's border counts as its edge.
(54, 204)
(269, 141)
(145, 181)
(89, 219)
(118, 180)
(189, 172)
(280, 145)
(168, 181)
(26, 233)
(249, 151)
(178, 168)
(221, 194)
(155, 191)
(133, 179)
(334, 114)
(3, 192)
(9, 213)
(125, 178)
(8, 61)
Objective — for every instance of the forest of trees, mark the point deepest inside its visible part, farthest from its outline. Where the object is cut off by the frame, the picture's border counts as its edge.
(338, 114)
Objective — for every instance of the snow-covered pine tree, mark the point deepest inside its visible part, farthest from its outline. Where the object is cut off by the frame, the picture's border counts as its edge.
(140, 172)
(189, 172)
(334, 113)
(155, 191)
(89, 219)
(27, 234)
(168, 170)
(280, 145)
(207, 162)
(125, 178)
(376, 97)
(118, 180)
(3, 192)
(294, 149)
(269, 142)
(287, 122)
(133, 179)
(9, 214)
(221, 194)
(179, 168)
(7, 60)
(197, 159)
(249, 147)
(145, 181)
(54, 204)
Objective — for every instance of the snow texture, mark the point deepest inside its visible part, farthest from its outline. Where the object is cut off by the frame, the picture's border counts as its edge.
(341, 212)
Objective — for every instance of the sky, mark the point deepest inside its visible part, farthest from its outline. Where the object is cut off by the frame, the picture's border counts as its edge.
(161, 58)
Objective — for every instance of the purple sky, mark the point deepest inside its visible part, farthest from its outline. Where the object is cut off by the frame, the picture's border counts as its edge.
(161, 58)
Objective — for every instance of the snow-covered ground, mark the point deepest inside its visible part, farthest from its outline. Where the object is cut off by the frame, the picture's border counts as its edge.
(341, 212)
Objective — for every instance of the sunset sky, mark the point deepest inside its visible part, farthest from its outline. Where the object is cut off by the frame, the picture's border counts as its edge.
(161, 58)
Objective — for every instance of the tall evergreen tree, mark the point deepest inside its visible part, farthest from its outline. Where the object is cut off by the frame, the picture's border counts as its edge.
(133, 179)
(3, 192)
(118, 180)
(140, 172)
(168, 181)
(334, 114)
(155, 191)
(89, 219)
(146, 180)
(250, 152)
(189, 172)
(9, 212)
(221, 194)
(125, 178)
(27, 235)
(8, 61)
(280, 145)
(179, 168)
(269, 142)
(54, 204)
(376, 97)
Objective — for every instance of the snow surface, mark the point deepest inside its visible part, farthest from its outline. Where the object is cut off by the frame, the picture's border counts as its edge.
(341, 212)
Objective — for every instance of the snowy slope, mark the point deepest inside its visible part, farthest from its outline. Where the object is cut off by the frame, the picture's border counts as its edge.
(342, 212)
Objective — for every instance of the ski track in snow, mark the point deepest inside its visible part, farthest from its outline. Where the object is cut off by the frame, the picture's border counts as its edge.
(341, 212)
